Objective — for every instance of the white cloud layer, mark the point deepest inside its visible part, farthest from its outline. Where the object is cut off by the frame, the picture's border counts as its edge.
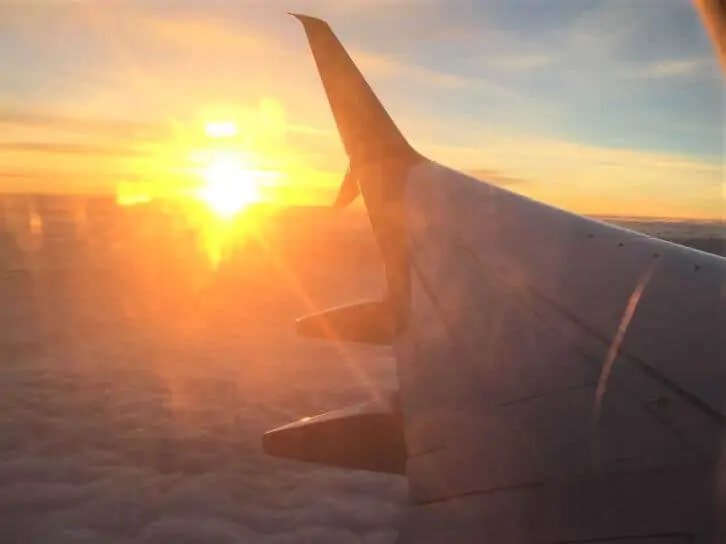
(119, 433)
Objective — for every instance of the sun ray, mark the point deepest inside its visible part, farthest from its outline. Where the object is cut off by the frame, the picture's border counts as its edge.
(229, 186)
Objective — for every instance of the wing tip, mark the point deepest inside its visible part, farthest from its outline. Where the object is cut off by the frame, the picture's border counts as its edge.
(307, 20)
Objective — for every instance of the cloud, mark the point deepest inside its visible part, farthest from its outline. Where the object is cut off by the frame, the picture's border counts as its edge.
(620, 39)
(68, 148)
(522, 62)
(71, 181)
(485, 88)
(356, 7)
(92, 127)
(603, 26)
(678, 68)
(145, 52)
(207, 33)
(377, 65)
(593, 179)
(498, 64)
(495, 178)
(109, 435)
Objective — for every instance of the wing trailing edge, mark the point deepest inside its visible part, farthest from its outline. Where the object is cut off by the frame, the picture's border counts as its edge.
(367, 437)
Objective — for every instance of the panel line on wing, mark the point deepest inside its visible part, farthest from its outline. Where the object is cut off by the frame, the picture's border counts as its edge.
(491, 491)
(450, 330)
(528, 297)
(692, 399)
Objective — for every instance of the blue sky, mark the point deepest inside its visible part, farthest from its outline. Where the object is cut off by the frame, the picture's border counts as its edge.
(611, 106)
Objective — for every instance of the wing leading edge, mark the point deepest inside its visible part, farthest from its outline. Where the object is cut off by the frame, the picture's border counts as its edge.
(561, 379)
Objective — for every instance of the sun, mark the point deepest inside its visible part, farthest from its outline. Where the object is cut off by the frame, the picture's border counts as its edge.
(228, 187)
(221, 129)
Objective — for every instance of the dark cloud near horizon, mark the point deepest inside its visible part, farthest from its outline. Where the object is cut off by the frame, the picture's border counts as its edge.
(69, 182)
(497, 179)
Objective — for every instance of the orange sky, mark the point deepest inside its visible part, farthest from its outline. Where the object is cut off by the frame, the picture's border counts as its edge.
(125, 103)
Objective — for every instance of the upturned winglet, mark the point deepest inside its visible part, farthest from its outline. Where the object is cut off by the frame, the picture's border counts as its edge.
(366, 129)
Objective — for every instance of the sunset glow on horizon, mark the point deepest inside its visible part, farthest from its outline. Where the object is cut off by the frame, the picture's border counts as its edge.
(225, 179)
(226, 104)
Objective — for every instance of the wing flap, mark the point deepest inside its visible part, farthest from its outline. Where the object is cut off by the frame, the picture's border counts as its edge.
(363, 437)
(365, 322)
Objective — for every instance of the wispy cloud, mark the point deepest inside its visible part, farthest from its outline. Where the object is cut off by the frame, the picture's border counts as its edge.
(679, 68)
(411, 76)
(87, 126)
(377, 65)
(601, 44)
(361, 6)
(565, 84)
(523, 62)
(495, 177)
(68, 149)
(606, 26)
(209, 34)
(593, 179)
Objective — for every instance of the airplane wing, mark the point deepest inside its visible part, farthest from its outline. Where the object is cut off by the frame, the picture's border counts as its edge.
(713, 16)
(561, 380)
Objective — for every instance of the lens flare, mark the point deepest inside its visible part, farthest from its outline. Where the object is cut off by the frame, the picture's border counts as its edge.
(229, 187)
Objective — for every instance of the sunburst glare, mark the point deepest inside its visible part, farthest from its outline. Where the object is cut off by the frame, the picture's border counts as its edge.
(229, 186)
(221, 129)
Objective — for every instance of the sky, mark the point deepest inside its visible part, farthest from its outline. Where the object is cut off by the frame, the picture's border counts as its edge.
(611, 107)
